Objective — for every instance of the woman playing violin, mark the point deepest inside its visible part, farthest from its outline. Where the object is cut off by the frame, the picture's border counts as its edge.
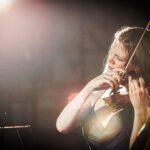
(107, 119)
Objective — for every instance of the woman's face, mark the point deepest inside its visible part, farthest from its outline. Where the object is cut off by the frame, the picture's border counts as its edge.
(117, 57)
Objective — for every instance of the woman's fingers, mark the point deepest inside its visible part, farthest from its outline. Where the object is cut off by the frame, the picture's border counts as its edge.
(111, 77)
(130, 85)
(109, 80)
(119, 70)
(138, 92)
(142, 82)
(114, 76)
(116, 73)
(136, 84)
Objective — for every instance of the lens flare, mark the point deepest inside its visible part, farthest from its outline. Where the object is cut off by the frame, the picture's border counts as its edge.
(4, 3)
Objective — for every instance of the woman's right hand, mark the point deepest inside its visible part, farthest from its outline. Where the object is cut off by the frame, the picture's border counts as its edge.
(110, 78)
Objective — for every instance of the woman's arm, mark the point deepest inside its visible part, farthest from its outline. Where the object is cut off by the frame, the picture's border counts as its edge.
(139, 98)
(77, 110)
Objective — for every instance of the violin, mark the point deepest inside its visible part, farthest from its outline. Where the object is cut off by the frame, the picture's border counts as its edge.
(116, 100)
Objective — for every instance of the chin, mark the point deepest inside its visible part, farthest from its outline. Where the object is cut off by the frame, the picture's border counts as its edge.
(106, 68)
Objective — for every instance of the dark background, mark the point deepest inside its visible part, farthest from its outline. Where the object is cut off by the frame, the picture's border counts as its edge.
(49, 50)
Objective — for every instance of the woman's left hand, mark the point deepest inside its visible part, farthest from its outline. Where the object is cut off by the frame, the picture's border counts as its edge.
(139, 97)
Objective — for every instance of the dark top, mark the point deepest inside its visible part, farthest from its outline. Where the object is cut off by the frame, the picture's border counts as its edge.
(143, 140)
(122, 138)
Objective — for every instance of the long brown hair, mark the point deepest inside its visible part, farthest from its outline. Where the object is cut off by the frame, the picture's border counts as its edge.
(129, 37)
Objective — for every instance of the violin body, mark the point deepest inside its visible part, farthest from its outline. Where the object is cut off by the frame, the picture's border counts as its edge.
(118, 98)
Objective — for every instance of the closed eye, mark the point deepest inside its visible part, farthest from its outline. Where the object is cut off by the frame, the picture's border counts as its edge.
(118, 57)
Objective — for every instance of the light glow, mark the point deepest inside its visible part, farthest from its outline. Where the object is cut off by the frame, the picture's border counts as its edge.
(4, 3)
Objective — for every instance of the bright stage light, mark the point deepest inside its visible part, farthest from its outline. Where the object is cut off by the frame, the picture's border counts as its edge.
(4, 3)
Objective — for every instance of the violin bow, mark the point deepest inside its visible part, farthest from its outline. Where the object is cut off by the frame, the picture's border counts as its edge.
(131, 57)
(146, 29)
